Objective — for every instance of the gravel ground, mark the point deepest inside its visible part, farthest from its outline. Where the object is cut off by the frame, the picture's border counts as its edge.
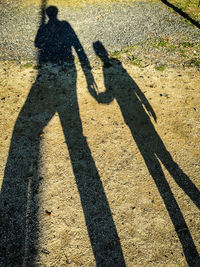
(117, 26)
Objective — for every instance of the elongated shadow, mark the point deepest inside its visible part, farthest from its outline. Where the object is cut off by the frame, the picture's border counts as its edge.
(181, 13)
(136, 112)
(53, 91)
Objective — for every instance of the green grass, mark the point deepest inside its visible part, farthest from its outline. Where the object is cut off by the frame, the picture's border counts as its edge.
(161, 67)
(187, 44)
(129, 49)
(27, 65)
(182, 52)
(194, 62)
(116, 54)
(163, 43)
(36, 67)
(134, 61)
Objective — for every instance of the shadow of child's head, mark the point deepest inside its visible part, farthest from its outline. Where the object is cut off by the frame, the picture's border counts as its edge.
(100, 51)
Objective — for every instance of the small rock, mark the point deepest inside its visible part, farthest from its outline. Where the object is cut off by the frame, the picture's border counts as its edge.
(45, 251)
(48, 213)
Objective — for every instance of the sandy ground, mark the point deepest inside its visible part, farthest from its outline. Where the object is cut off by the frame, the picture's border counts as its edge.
(141, 214)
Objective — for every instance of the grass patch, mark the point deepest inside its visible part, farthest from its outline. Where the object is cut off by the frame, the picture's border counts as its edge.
(184, 4)
(163, 43)
(171, 49)
(27, 65)
(182, 53)
(161, 67)
(116, 54)
(129, 49)
(194, 62)
(135, 61)
(187, 44)
(36, 67)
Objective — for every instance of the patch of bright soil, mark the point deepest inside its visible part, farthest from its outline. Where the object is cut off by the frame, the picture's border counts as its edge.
(121, 141)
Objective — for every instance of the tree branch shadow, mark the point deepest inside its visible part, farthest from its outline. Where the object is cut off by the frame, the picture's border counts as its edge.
(181, 13)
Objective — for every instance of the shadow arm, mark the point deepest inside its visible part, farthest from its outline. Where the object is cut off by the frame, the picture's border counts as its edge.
(85, 64)
(38, 39)
(145, 102)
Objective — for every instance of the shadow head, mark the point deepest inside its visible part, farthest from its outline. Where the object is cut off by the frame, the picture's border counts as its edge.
(52, 12)
(100, 51)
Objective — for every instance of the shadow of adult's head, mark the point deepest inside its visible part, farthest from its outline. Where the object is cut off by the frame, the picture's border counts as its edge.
(55, 40)
(52, 12)
(137, 113)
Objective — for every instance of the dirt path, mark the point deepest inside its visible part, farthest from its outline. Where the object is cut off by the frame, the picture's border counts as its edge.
(147, 235)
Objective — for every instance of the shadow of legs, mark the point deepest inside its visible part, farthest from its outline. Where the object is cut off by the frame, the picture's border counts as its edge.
(19, 193)
(101, 227)
(18, 199)
(179, 176)
(173, 209)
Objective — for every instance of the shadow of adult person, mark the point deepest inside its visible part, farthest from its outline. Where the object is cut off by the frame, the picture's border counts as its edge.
(136, 111)
(54, 91)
